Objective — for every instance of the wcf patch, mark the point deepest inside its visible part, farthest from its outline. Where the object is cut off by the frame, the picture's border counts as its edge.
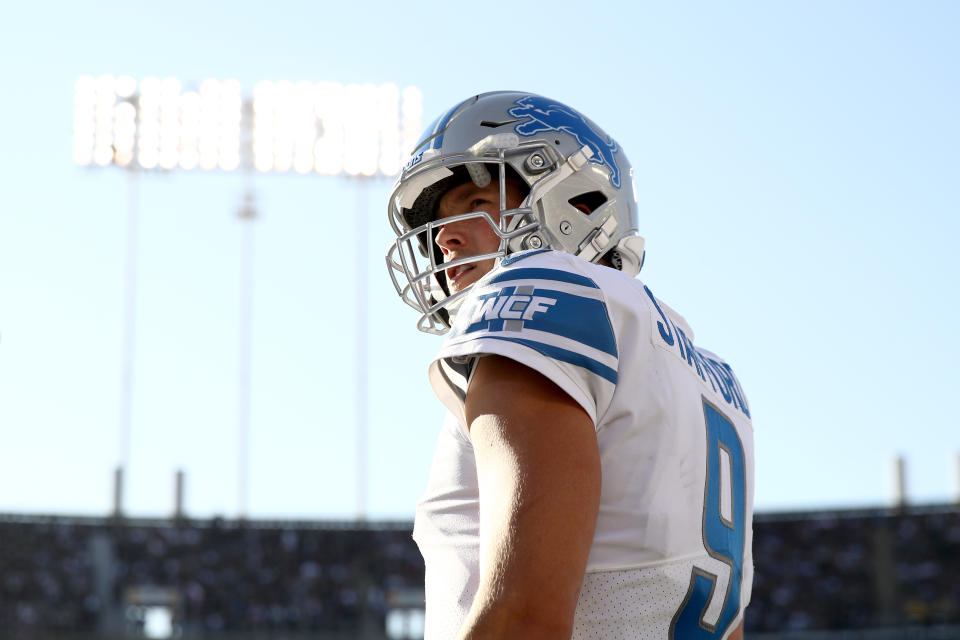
(512, 306)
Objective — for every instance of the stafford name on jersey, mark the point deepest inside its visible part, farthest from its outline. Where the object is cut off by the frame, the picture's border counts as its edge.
(718, 374)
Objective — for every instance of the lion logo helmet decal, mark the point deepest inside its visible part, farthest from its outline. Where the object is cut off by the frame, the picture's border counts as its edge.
(543, 115)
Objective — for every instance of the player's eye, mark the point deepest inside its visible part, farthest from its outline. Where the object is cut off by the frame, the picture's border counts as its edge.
(478, 203)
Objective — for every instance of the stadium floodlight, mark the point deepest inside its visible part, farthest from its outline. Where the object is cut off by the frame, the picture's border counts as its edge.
(308, 128)
(324, 128)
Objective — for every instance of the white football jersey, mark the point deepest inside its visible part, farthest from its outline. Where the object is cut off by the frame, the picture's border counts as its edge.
(672, 553)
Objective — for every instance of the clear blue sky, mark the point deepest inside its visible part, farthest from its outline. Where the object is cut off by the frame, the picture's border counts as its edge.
(799, 173)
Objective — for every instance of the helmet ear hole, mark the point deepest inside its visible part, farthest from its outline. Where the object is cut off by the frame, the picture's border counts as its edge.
(588, 202)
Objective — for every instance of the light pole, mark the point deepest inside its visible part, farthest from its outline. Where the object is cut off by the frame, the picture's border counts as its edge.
(356, 130)
(128, 345)
(247, 214)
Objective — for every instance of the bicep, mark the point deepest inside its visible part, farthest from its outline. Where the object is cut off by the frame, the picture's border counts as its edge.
(538, 467)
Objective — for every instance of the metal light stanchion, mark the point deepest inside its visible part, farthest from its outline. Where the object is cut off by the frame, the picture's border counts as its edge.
(361, 341)
(247, 215)
(125, 430)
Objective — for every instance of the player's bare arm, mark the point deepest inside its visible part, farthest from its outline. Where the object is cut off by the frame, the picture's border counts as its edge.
(737, 633)
(539, 474)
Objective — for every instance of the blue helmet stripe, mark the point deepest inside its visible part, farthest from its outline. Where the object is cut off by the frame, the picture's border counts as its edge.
(571, 357)
(428, 133)
(544, 274)
(434, 133)
(445, 121)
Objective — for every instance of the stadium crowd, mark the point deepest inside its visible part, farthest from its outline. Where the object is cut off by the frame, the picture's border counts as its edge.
(856, 570)
(251, 578)
(826, 570)
(47, 576)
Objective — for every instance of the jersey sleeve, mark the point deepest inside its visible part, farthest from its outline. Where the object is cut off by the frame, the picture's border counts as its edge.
(553, 320)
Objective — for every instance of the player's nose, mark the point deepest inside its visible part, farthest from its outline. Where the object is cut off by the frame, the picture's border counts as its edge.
(451, 236)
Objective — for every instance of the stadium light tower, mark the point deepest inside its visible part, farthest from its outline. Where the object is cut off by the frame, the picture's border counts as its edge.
(360, 131)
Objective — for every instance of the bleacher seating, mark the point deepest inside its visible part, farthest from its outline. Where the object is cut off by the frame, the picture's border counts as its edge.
(830, 570)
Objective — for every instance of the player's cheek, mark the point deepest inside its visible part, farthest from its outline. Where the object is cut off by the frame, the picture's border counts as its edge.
(489, 237)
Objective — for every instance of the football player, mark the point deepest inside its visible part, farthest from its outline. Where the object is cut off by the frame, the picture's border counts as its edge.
(594, 475)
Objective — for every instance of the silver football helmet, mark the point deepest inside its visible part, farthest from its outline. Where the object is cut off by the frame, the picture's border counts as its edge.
(567, 163)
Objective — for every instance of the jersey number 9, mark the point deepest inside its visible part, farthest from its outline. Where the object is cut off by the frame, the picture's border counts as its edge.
(723, 535)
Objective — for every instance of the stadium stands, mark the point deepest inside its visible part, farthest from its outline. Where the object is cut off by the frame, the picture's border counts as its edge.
(880, 569)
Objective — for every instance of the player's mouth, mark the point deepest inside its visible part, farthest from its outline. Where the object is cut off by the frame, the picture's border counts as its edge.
(457, 273)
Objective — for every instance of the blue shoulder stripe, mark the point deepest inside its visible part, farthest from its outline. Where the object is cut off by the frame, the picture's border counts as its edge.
(564, 355)
(524, 307)
(544, 274)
